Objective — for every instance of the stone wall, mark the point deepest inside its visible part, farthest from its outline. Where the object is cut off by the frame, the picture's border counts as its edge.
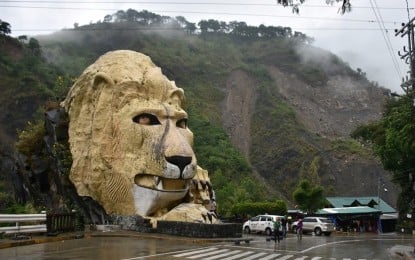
(178, 228)
(199, 230)
(133, 223)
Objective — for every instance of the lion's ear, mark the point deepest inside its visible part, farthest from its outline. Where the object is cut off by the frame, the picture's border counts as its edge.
(102, 78)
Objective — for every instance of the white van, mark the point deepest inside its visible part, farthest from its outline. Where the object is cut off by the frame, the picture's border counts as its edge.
(261, 223)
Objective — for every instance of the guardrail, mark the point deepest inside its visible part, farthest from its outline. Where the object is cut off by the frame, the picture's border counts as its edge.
(23, 218)
(61, 222)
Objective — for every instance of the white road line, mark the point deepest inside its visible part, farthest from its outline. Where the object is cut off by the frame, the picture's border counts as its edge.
(208, 254)
(196, 252)
(222, 255)
(332, 243)
(271, 256)
(158, 255)
(238, 256)
(316, 258)
(285, 257)
(255, 256)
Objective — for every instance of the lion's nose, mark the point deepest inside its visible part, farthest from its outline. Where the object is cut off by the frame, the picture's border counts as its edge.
(180, 161)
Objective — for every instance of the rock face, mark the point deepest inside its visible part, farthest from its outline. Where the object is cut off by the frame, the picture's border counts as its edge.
(328, 112)
(130, 144)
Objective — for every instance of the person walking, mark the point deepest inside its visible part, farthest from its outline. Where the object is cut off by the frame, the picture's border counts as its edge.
(277, 226)
(284, 227)
(300, 229)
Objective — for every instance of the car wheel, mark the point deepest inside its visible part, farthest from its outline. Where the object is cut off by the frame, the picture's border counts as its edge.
(247, 230)
(268, 231)
(327, 234)
(317, 231)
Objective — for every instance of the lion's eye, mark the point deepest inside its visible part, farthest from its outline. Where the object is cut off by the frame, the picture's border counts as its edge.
(182, 123)
(146, 119)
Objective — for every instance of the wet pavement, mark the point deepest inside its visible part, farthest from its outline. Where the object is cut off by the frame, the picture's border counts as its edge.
(133, 245)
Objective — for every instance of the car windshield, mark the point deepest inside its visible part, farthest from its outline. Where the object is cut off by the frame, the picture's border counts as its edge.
(326, 220)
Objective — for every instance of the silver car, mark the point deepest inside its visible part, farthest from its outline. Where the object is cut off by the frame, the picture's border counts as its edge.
(318, 225)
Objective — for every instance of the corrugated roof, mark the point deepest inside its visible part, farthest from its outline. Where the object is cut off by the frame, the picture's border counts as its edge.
(349, 210)
(373, 202)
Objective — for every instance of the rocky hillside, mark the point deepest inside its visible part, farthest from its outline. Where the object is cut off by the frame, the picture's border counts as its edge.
(328, 113)
(287, 107)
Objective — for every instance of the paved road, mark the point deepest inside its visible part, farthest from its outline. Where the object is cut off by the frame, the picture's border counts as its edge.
(128, 248)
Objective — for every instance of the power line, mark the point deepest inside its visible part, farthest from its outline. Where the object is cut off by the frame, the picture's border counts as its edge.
(166, 28)
(185, 3)
(389, 46)
(209, 13)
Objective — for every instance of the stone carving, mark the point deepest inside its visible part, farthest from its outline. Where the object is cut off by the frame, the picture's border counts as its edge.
(130, 144)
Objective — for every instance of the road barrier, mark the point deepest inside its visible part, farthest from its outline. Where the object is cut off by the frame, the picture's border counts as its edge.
(25, 223)
(23, 218)
(61, 222)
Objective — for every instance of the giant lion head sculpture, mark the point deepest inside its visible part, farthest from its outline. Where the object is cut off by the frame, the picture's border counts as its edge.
(129, 140)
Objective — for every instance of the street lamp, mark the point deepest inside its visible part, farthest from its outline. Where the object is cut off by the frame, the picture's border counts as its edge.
(380, 185)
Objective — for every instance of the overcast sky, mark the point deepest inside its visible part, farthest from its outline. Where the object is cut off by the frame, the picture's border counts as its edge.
(355, 37)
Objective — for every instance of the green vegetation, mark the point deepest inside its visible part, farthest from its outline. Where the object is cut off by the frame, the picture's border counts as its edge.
(308, 197)
(247, 209)
(199, 59)
(393, 139)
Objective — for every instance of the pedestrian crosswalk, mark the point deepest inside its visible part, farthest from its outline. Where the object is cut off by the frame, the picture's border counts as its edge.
(212, 253)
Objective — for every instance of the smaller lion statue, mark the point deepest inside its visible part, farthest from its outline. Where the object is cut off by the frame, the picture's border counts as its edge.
(130, 142)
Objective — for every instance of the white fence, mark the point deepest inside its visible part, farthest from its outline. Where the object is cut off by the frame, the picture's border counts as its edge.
(23, 218)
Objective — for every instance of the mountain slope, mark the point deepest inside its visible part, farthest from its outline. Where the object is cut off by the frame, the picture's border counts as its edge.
(287, 107)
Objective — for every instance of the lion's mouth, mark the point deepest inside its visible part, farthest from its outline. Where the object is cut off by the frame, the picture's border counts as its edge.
(160, 183)
(153, 193)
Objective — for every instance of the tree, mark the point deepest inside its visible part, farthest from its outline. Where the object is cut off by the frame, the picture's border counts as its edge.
(346, 5)
(309, 198)
(22, 38)
(107, 18)
(132, 15)
(5, 28)
(393, 139)
(34, 46)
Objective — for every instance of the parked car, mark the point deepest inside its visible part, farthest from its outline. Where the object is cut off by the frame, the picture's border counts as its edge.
(318, 225)
(261, 223)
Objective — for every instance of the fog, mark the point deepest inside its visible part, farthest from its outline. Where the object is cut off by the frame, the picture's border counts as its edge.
(360, 38)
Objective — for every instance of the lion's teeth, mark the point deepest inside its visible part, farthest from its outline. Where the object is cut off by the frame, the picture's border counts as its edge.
(159, 184)
(157, 180)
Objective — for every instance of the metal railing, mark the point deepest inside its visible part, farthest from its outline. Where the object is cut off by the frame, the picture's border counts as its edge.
(25, 223)
(20, 219)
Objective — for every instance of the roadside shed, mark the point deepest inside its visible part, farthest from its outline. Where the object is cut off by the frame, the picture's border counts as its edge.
(373, 202)
(360, 214)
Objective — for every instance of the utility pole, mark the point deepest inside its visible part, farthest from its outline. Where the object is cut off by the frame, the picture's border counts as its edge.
(408, 85)
(408, 55)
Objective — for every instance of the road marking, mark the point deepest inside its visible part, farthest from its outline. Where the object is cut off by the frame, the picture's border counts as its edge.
(223, 255)
(208, 254)
(196, 252)
(238, 256)
(332, 243)
(255, 256)
(161, 254)
(285, 257)
(316, 258)
(271, 256)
